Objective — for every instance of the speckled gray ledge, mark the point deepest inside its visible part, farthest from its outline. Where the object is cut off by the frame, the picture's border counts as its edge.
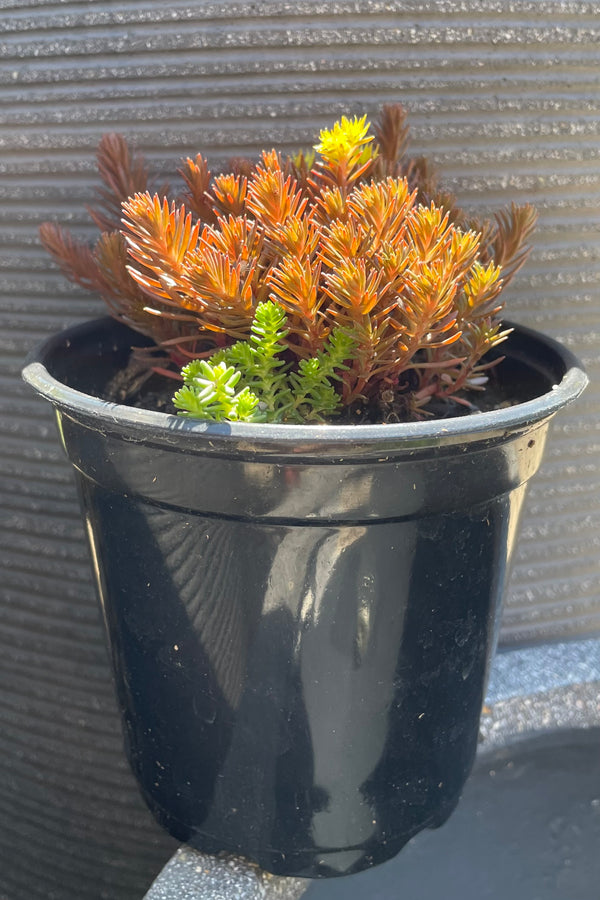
(190, 875)
(536, 670)
(546, 688)
(572, 706)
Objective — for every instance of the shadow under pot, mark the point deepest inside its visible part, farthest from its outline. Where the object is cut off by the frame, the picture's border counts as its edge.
(300, 618)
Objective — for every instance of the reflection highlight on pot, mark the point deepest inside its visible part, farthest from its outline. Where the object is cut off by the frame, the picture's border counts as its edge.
(327, 494)
(348, 661)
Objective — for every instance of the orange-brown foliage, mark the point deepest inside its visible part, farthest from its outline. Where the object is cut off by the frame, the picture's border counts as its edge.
(357, 239)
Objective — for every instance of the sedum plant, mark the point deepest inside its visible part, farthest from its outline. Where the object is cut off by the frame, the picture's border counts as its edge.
(270, 390)
(335, 282)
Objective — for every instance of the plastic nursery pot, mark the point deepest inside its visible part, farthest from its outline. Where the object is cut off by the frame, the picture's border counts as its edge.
(300, 618)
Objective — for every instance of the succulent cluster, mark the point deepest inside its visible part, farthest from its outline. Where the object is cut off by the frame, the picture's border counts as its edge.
(268, 388)
(350, 249)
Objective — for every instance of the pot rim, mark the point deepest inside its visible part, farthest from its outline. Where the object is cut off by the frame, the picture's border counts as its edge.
(166, 428)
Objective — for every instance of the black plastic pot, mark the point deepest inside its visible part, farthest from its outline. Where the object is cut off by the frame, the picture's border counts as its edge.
(301, 619)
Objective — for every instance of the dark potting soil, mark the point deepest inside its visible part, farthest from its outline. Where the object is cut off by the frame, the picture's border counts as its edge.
(133, 386)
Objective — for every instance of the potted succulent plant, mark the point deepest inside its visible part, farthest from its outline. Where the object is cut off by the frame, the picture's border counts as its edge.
(301, 574)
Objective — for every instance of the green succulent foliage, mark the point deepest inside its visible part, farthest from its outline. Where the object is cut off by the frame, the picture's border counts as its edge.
(250, 381)
(312, 388)
(258, 359)
(209, 392)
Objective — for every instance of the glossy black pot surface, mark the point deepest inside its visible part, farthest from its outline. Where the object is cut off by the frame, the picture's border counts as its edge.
(301, 619)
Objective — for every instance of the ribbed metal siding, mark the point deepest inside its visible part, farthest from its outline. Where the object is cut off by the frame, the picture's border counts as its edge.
(504, 95)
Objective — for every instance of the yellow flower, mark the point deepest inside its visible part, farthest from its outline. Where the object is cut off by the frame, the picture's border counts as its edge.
(340, 143)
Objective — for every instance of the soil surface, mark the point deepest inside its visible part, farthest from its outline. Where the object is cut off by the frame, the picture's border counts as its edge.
(133, 386)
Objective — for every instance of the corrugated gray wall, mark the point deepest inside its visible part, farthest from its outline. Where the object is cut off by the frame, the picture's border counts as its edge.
(503, 95)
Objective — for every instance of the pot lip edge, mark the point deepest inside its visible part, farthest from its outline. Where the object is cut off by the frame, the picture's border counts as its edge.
(166, 428)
